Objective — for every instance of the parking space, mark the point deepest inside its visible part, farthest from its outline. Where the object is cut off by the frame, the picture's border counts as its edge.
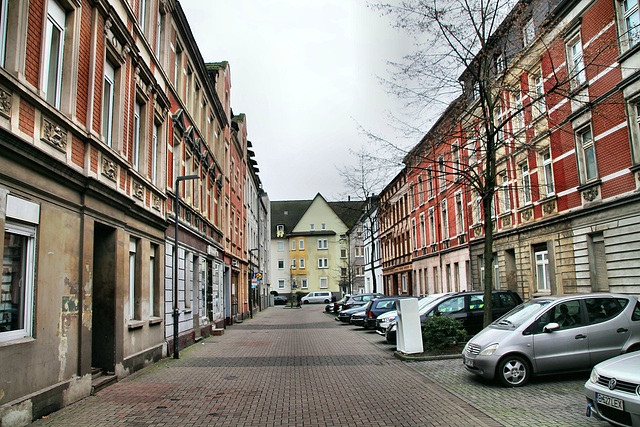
(547, 401)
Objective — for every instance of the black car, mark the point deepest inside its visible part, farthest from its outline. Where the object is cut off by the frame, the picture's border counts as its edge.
(378, 306)
(468, 307)
(280, 300)
(345, 315)
(336, 306)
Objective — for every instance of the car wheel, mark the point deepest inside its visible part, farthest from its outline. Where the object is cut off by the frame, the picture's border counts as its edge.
(326, 301)
(305, 302)
(513, 371)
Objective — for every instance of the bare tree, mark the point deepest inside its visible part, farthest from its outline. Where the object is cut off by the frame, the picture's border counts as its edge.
(469, 62)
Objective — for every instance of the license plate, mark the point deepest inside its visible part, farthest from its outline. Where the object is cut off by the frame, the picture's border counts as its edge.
(609, 401)
(468, 362)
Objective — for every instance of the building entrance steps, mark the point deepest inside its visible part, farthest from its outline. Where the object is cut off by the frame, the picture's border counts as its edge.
(284, 367)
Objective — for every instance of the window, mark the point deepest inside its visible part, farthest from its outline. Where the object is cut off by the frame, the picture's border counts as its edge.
(420, 190)
(154, 284)
(629, 23)
(528, 32)
(343, 252)
(301, 244)
(587, 154)
(135, 155)
(323, 262)
(18, 270)
(423, 231)
(142, 15)
(575, 62)
(158, 34)
(359, 270)
(154, 154)
(3, 30)
(518, 113)
(506, 199)
(293, 244)
(432, 226)
(359, 251)
(526, 183)
(302, 266)
(444, 219)
(542, 271)
(567, 315)
(107, 103)
(323, 244)
(478, 205)
(281, 284)
(134, 281)
(293, 263)
(279, 230)
(547, 168)
(429, 184)
(500, 63)
(404, 282)
(303, 282)
(53, 52)
(312, 227)
(280, 246)
(537, 94)
(455, 159)
(324, 283)
(441, 174)
(280, 264)
(324, 226)
(414, 235)
(459, 214)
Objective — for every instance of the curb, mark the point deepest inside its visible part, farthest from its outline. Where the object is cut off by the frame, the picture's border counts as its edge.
(419, 358)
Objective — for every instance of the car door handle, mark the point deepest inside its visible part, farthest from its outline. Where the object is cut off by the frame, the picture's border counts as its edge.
(622, 330)
(580, 337)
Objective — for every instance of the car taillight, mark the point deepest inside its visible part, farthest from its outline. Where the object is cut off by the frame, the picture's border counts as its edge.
(370, 315)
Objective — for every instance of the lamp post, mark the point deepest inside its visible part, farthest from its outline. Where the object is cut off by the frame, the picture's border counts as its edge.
(176, 313)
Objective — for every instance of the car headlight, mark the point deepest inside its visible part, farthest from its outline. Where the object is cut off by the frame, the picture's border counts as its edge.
(488, 351)
(594, 376)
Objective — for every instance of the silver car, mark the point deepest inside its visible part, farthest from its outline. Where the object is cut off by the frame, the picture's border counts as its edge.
(613, 390)
(383, 320)
(554, 334)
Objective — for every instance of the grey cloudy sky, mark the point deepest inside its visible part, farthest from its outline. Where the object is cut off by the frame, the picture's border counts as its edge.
(305, 74)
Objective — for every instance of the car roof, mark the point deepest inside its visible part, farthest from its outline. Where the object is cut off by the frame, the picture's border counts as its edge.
(560, 297)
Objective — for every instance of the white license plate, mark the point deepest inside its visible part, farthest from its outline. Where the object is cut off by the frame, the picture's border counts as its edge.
(468, 362)
(609, 401)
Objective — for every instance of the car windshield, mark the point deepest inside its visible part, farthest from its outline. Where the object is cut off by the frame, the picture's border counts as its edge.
(430, 304)
(422, 303)
(521, 314)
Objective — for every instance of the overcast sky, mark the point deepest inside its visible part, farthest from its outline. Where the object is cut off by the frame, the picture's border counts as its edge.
(305, 74)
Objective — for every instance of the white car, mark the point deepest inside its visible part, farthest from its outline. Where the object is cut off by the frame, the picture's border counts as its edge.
(312, 297)
(613, 390)
(383, 321)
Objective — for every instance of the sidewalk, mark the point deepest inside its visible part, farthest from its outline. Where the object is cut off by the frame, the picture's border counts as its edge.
(284, 367)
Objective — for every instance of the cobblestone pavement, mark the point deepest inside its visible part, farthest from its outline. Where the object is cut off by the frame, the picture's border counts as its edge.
(290, 367)
(546, 401)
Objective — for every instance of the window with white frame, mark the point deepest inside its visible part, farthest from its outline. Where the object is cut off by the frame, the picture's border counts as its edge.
(324, 226)
(324, 282)
(54, 52)
(137, 124)
(518, 113)
(294, 263)
(302, 264)
(629, 23)
(279, 230)
(500, 63)
(429, 184)
(542, 270)
(359, 270)
(323, 243)
(442, 182)
(142, 15)
(301, 244)
(455, 159)
(444, 220)
(459, 213)
(432, 225)
(18, 273)
(134, 282)
(303, 283)
(293, 244)
(506, 196)
(343, 253)
(108, 93)
(478, 208)
(423, 231)
(420, 190)
(280, 283)
(280, 246)
(547, 173)
(312, 227)
(526, 183)
(412, 196)
(586, 154)
(280, 264)
(414, 236)
(575, 61)
(159, 33)
(528, 32)
(537, 96)
(404, 282)
(359, 251)
(154, 153)
(323, 262)
(4, 10)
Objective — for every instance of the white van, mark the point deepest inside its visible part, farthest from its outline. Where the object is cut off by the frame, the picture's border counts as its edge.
(324, 297)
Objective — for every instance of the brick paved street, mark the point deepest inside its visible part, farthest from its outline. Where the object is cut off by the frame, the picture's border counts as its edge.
(290, 367)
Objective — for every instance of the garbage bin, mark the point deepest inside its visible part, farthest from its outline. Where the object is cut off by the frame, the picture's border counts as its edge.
(409, 330)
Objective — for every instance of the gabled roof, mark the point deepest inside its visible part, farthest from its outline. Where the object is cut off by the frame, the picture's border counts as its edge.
(348, 211)
(287, 213)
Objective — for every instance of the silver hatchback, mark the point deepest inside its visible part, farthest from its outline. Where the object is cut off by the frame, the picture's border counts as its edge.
(553, 334)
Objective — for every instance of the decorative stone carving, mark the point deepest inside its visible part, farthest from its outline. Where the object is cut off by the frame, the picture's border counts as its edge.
(590, 194)
(549, 208)
(506, 221)
(109, 169)
(156, 202)
(138, 190)
(5, 103)
(526, 215)
(54, 135)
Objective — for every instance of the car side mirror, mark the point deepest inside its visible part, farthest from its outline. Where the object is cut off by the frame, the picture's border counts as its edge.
(551, 327)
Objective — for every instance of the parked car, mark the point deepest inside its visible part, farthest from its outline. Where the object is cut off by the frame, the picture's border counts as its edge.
(384, 319)
(345, 315)
(313, 297)
(468, 307)
(360, 298)
(337, 305)
(357, 318)
(554, 334)
(280, 300)
(613, 390)
(377, 307)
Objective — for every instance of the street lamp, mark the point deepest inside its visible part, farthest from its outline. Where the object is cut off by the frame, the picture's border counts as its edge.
(176, 313)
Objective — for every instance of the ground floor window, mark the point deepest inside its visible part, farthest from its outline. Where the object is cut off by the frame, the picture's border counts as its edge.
(16, 292)
(542, 270)
(324, 283)
(281, 284)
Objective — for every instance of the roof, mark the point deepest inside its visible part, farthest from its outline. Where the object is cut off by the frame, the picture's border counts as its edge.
(287, 213)
(348, 211)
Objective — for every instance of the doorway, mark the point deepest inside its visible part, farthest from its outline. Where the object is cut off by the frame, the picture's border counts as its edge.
(104, 292)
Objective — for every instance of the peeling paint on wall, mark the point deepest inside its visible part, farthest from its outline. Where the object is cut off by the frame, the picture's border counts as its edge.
(17, 415)
(79, 388)
(87, 300)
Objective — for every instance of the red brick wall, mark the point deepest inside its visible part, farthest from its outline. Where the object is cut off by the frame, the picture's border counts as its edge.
(99, 77)
(84, 63)
(77, 151)
(34, 37)
(27, 117)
